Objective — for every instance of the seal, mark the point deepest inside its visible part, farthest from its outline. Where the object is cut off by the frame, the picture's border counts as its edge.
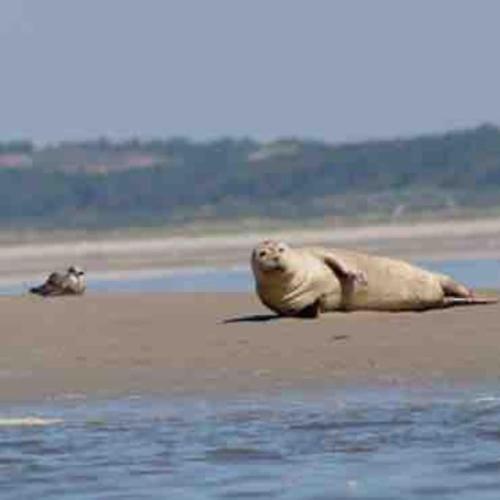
(70, 283)
(307, 281)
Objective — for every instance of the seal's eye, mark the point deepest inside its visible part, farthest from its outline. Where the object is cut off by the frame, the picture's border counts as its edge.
(262, 253)
(281, 249)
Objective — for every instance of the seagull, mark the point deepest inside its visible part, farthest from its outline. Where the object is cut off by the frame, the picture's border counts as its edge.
(72, 282)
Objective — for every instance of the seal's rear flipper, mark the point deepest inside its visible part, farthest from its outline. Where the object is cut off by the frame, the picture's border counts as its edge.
(452, 288)
(469, 301)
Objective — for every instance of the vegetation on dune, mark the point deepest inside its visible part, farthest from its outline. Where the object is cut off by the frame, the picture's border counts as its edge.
(107, 184)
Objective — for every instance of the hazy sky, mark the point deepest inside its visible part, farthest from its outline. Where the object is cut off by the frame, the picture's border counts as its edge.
(327, 69)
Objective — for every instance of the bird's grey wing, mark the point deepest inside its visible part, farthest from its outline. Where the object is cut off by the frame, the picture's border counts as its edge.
(55, 279)
(51, 286)
(56, 283)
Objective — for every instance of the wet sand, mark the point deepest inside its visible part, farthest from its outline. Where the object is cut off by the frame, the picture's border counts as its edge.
(116, 345)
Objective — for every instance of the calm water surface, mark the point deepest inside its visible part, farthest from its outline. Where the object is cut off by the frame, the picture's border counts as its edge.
(374, 444)
(474, 273)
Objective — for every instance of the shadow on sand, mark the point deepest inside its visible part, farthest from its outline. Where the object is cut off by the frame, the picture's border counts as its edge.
(254, 318)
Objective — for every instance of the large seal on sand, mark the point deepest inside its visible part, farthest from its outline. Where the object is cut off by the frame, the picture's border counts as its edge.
(70, 283)
(307, 281)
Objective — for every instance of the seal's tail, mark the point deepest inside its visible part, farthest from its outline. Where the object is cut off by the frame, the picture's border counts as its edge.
(469, 301)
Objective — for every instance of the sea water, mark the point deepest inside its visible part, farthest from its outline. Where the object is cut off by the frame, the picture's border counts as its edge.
(379, 444)
(474, 273)
(369, 443)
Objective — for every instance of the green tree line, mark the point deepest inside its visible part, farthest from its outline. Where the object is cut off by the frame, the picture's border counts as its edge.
(230, 178)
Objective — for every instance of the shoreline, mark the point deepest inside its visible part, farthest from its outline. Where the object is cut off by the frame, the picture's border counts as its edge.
(466, 239)
(214, 344)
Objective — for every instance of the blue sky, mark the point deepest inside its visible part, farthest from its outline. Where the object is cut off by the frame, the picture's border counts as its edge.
(324, 69)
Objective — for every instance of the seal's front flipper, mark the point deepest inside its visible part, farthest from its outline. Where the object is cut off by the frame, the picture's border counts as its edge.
(468, 301)
(357, 277)
(309, 312)
(344, 271)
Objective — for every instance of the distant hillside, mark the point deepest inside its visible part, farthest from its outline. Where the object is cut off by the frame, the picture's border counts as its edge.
(107, 184)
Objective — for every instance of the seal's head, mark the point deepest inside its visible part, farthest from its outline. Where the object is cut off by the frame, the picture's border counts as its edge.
(75, 271)
(271, 257)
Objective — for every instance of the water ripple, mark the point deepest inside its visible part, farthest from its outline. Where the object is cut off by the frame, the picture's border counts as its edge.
(242, 455)
(336, 445)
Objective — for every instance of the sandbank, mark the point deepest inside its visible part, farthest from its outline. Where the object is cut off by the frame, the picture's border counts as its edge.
(126, 344)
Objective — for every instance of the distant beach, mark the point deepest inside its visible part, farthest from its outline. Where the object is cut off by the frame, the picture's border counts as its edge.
(119, 253)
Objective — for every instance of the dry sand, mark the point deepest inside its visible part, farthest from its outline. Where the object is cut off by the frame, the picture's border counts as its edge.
(113, 345)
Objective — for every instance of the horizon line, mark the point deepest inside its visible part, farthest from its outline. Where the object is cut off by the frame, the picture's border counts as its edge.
(145, 139)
